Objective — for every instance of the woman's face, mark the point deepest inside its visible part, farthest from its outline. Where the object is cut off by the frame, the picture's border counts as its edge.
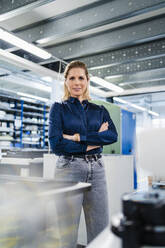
(77, 82)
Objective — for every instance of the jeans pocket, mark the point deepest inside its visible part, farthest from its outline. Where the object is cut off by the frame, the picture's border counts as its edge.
(62, 163)
(100, 163)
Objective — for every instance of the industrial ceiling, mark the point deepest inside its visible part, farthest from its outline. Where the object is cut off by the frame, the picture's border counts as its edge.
(121, 41)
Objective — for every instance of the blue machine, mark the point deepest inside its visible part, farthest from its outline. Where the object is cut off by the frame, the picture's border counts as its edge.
(128, 130)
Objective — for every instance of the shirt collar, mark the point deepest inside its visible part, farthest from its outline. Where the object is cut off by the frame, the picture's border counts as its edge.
(71, 99)
(74, 99)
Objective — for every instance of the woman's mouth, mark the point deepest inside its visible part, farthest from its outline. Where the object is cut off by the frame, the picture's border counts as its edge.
(77, 89)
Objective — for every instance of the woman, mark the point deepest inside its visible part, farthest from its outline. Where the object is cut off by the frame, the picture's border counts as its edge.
(78, 130)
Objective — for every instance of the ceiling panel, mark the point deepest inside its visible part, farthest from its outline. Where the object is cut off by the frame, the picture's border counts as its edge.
(27, 12)
(121, 41)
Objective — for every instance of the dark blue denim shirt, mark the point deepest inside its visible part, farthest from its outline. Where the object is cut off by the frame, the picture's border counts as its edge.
(70, 117)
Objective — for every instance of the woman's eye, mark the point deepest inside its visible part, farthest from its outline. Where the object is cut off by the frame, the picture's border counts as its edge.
(71, 78)
(81, 78)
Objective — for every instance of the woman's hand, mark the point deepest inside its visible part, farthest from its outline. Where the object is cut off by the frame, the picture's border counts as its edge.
(104, 127)
(91, 147)
(75, 137)
(66, 136)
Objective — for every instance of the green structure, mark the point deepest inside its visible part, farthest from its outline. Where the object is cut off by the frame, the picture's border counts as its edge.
(115, 114)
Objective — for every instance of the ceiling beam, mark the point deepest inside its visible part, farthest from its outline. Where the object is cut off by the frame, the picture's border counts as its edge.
(108, 15)
(38, 11)
(144, 77)
(10, 9)
(104, 25)
(110, 40)
(131, 67)
(113, 40)
(105, 17)
(136, 53)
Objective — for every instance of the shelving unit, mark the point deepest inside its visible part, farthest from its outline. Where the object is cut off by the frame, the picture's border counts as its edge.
(22, 123)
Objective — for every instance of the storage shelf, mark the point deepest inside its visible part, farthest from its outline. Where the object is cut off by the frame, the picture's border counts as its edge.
(10, 110)
(33, 123)
(6, 129)
(30, 142)
(5, 119)
(32, 108)
(30, 130)
(29, 114)
(33, 115)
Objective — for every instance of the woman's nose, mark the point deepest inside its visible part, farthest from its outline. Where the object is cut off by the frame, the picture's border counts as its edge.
(77, 81)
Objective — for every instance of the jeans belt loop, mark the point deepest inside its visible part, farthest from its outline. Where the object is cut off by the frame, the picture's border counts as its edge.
(86, 158)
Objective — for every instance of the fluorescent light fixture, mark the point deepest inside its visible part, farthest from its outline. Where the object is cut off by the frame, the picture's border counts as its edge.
(14, 40)
(106, 84)
(137, 107)
(47, 79)
(33, 97)
(114, 76)
(117, 99)
(153, 113)
(100, 67)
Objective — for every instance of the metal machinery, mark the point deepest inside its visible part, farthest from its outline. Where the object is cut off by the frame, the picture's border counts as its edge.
(35, 212)
(143, 219)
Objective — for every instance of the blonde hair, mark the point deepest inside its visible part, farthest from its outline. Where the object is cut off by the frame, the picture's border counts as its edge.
(71, 65)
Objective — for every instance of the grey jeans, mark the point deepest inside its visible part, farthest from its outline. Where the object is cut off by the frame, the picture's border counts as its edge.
(94, 201)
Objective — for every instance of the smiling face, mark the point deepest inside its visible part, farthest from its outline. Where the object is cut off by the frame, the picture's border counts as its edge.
(77, 82)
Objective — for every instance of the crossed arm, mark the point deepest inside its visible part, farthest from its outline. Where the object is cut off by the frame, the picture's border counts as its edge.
(76, 136)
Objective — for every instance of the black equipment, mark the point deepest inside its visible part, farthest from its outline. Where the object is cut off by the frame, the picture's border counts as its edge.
(143, 219)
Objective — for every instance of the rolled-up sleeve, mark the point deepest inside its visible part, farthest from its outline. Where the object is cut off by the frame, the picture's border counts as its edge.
(58, 144)
(101, 138)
